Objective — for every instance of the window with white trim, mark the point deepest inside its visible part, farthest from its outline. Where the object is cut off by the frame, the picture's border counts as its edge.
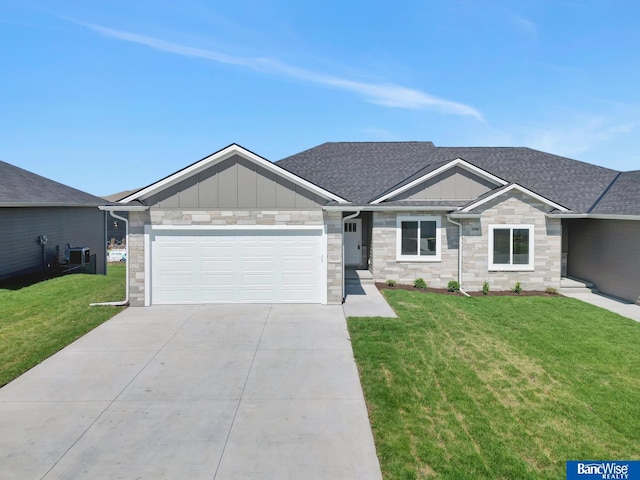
(418, 238)
(511, 247)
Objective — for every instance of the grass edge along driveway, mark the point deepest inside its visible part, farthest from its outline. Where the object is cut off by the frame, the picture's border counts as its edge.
(38, 320)
(498, 387)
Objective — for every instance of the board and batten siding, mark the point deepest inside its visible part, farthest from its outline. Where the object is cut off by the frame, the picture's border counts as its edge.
(235, 183)
(606, 253)
(454, 184)
(21, 228)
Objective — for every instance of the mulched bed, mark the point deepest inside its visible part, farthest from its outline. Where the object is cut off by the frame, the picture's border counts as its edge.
(444, 291)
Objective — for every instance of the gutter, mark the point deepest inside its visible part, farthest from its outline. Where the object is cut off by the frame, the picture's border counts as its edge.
(459, 254)
(344, 219)
(124, 302)
(595, 216)
(373, 208)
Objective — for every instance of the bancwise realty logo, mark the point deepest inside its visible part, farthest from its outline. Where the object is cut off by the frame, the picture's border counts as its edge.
(603, 470)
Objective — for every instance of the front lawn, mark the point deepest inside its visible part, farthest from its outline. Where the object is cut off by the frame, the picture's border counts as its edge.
(38, 320)
(498, 387)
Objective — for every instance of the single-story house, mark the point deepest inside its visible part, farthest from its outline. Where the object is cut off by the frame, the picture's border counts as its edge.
(40, 217)
(235, 227)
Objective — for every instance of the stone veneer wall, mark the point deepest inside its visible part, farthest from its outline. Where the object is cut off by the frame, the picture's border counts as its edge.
(384, 265)
(514, 208)
(137, 221)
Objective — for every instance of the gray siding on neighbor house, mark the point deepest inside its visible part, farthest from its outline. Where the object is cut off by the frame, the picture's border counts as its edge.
(455, 184)
(606, 253)
(21, 227)
(236, 183)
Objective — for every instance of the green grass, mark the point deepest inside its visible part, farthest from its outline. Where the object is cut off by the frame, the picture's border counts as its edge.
(498, 387)
(38, 320)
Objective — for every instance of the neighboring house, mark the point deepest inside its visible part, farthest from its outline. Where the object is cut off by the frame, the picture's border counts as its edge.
(116, 230)
(34, 208)
(234, 227)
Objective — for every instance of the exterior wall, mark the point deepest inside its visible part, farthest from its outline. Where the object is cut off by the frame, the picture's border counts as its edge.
(235, 183)
(606, 253)
(514, 208)
(22, 226)
(384, 265)
(509, 209)
(454, 184)
(331, 221)
(333, 228)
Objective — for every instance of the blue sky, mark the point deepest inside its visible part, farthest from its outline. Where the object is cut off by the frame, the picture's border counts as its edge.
(112, 95)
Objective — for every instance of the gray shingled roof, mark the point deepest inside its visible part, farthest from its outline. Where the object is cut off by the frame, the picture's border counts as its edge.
(622, 197)
(362, 171)
(20, 187)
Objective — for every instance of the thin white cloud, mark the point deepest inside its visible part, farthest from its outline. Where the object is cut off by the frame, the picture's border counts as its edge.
(525, 26)
(388, 95)
(578, 138)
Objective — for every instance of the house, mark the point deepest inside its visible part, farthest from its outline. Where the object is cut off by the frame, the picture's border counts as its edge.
(39, 217)
(235, 227)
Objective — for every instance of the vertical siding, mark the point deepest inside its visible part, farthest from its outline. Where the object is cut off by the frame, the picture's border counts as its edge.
(21, 227)
(606, 253)
(454, 184)
(236, 183)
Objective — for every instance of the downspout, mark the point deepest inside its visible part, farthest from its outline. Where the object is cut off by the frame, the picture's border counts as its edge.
(344, 219)
(459, 254)
(126, 299)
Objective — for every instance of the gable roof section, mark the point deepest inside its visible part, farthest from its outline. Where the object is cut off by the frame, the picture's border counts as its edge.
(219, 156)
(364, 171)
(506, 189)
(421, 177)
(21, 188)
(360, 171)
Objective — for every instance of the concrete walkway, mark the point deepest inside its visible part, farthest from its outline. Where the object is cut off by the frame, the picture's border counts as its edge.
(626, 309)
(196, 392)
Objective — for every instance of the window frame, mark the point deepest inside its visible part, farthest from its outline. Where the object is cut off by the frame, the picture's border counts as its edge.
(417, 257)
(511, 267)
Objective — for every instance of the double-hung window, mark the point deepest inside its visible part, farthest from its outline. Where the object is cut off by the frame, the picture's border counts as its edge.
(418, 239)
(511, 247)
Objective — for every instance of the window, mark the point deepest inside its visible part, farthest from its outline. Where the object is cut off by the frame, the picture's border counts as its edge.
(418, 239)
(510, 247)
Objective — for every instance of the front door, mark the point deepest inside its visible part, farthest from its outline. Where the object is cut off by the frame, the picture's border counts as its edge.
(353, 242)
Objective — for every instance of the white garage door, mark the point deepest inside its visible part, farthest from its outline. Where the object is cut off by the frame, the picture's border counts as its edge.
(216, 266)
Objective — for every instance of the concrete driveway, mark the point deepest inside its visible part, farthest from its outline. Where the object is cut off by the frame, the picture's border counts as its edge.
(194, 392)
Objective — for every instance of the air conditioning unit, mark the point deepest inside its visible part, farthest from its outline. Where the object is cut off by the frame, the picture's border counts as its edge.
(79, 256)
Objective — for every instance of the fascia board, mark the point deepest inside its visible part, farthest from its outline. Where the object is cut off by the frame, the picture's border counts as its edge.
(219, 157)
(595, 216)
(48, 204)
(390, 208)
(521, 189)
(458, 162)
(123, 208)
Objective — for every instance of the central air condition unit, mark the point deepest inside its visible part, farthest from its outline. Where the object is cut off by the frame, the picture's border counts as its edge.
(79, 256)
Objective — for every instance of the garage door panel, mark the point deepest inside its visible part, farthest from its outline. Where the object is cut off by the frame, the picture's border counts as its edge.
(217, 280)
(223, 266)
(217, 295)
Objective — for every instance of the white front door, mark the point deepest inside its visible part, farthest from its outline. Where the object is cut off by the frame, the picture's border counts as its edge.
(353, 242)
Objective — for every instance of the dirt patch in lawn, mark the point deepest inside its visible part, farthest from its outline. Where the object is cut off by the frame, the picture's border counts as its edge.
(444, 291)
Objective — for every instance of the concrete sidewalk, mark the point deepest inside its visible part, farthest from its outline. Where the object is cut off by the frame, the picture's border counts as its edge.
(196, 392)
(626, 309)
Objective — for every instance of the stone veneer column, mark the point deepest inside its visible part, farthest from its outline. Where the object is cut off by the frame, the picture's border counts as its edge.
(333, 226)
(135, 257)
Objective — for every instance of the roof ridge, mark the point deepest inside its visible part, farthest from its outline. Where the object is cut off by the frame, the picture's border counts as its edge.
(606, 190)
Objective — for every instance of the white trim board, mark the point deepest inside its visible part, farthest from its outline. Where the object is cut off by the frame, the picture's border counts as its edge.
(521, 189)
(458, 162)
(220, 156)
